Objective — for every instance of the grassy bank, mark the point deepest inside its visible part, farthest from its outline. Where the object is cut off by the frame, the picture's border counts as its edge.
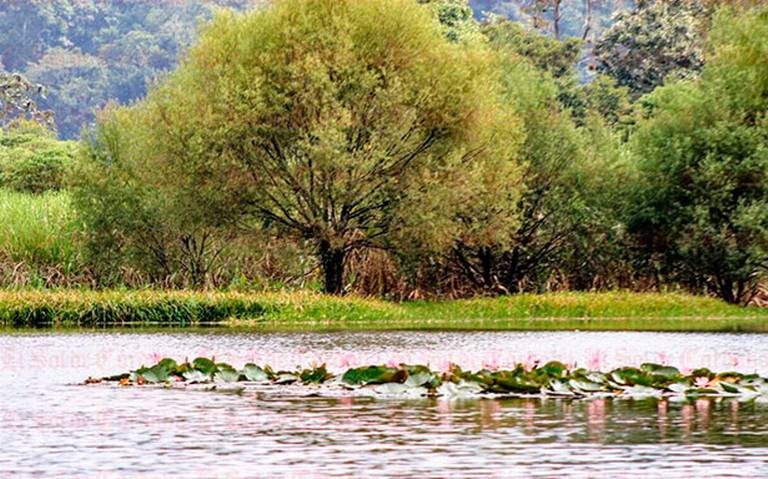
(304, 310)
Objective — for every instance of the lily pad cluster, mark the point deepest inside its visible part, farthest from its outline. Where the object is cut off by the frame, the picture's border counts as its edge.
(551, 379)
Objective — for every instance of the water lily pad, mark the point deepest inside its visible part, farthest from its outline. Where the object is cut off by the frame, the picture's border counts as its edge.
(226, 376)
(193, 376)
(678, 388)
(423, 378)
(204, 365)
(585, 386)
(254, 373)
(554, 368)
(374, 375)
(283, 377)
(642, 391)
(315, 376)
(558, 387)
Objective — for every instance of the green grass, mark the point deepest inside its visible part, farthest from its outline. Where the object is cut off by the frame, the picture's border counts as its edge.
(306, 311)
(37, 229)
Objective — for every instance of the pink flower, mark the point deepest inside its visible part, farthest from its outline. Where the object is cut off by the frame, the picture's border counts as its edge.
(595, 361)
(446, 366)
(701, 382)
(492, 363)
(530, 363)
(156, 357)
(663, 358)
(346, 360)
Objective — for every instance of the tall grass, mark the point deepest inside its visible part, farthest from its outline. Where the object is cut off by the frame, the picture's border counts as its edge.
(37, 233)
(306, 310)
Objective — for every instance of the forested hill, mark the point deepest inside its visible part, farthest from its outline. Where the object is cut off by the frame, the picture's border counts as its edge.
(87, 52)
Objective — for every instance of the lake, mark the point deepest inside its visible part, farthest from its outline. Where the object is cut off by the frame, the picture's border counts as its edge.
(51, 426)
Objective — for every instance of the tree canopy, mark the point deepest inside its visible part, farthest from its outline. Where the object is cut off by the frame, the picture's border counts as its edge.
(340, 122)
(701, 199)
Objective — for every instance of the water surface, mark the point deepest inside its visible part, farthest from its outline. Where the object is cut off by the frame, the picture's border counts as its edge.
(55, 428)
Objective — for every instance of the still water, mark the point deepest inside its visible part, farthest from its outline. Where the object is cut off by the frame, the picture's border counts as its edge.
(50, 426)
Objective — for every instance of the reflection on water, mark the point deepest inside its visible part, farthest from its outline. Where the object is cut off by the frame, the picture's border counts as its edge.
(53, 428)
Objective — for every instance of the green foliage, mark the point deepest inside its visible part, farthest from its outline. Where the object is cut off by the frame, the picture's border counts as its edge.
(89, 51)
(547, 54)
(561, 208)
(456, 18)
(38, 232)
(551, 380)
(591, 311)
(656, 40)
(330, 128)
(701, 202)
(558, 59)
(32, 160)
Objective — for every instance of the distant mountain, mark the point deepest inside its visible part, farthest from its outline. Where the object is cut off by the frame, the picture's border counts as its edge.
(88, 52)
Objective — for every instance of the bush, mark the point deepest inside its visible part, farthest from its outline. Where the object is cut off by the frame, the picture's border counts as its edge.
(700, 208)
(32, 160)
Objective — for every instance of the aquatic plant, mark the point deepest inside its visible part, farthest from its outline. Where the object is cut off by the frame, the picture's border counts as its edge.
(552, 379)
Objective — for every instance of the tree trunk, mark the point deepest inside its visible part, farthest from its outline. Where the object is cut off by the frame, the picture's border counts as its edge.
(486, 267)
(587, 19)
(556, 19)
(332, 263)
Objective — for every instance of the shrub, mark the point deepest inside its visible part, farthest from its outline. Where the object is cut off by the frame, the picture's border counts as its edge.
(700, 207)
(32, 160)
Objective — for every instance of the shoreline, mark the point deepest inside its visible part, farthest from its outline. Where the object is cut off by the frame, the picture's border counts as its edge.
(304, 310)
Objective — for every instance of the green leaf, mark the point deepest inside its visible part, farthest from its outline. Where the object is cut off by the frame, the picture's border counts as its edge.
(204, 365)
(315, 376)
(423, 378)
(169, 364)
(226, 375)
(254, 373)
(194, 376)
(156, 374)
(585, 386)
(374, 375)
(284, 377)
(554, 368)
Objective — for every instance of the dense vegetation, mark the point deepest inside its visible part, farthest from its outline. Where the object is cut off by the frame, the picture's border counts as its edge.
(397, 148)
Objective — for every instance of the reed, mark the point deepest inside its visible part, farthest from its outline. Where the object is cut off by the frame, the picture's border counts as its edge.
(37, 230)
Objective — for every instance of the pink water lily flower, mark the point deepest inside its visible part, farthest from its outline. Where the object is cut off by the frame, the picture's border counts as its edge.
(347, 360)
(530, 363)
(492, 364)
(701, 382)
(446, 366)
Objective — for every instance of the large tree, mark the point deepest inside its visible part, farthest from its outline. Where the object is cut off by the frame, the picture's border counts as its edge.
(653, 41)
(700, 206)
(351, 124)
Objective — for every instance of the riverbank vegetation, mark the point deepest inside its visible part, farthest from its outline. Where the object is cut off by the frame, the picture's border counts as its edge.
(553, 311)
(407, 151)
